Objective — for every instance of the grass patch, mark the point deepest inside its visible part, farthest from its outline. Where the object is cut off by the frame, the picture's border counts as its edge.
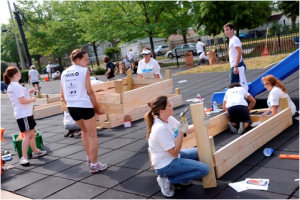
(254, 63)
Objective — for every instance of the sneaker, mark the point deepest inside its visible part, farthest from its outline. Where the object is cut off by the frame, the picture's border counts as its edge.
(241, 129)
(98, 167)
(38, 154)
(24, 161)
(190, 182)
(77, 134)
(67, 133)
(166, 187)
(232, 128)
(89, 161)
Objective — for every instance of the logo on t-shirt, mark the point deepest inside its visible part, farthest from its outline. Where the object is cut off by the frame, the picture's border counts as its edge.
(76, 73)
(176, 133)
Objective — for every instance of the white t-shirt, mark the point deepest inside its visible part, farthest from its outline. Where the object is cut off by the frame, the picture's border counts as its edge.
(199, 47)
(236, 96)
(162, 138)
(130, 55)
(49, 68)
(234, 42)
(148, 69)
(203, 56)
(34, 75)
(127, 63)
(273, 99)
(54, 75)
(15, 91)
(73, 84)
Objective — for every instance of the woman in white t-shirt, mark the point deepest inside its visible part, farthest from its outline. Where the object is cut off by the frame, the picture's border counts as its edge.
(165, 136)
(22, 103)
(277, 91)
(234, 102)
(76, 91)
(34, 77)
(148, 67)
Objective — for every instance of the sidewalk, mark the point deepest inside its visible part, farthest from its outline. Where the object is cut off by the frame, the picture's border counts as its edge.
(63, 172)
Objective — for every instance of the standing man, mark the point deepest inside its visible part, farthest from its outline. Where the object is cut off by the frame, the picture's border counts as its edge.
(48, 69)
(199, 47)
(238, 67)
(34, 78)
(131, 59)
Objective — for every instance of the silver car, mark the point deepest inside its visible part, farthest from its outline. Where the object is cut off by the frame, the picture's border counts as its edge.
(160, 50)
(181, 49)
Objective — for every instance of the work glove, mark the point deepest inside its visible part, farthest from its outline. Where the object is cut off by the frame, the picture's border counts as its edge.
(183, 126)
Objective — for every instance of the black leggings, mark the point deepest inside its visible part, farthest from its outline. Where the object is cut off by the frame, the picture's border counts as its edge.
(239, 114)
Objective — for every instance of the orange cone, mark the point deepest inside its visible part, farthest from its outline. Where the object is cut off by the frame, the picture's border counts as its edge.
(265, 52)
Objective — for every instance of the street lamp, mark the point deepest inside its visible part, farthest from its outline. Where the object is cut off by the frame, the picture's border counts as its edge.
(17, 41)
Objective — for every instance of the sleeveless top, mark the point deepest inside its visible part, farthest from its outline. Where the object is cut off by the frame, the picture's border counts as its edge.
(73, 84)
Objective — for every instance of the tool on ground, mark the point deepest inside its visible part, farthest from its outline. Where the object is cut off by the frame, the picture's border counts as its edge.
(182, 114)
(289, 156)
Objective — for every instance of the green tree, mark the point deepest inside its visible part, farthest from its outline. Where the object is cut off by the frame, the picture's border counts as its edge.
(243, 14)
(128, 20)
(290, 9)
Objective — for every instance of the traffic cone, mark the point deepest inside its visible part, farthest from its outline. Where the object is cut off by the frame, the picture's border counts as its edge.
(265, 52)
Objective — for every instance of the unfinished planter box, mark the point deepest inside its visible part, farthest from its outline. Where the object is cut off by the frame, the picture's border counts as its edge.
(233, 153)
(47, 105)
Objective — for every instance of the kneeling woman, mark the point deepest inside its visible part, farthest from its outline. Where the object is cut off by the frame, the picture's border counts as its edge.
(277, 91)
(165, 136)
(234, 102)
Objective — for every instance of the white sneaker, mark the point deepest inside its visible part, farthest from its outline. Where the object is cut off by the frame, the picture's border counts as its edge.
(24, 161)
(38, 154)
(165, 187)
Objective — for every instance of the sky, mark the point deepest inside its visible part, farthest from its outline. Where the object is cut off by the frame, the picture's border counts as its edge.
(4, 11)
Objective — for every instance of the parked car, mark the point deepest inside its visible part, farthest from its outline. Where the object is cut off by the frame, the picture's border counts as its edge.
(257, 33)
(53, 69)
(160, 50)
(181, 49)
(245, 35)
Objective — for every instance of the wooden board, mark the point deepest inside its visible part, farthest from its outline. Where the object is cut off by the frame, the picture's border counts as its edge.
(203, 144)
(136, 114)
(46, 111)
(236, 151)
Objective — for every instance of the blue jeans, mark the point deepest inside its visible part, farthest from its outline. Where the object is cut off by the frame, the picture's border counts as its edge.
(3, 87)
(185, 168)
(199, 58)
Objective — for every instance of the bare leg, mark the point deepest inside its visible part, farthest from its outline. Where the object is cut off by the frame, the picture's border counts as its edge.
(234, 124)
(26, 141)
(84, 137)
(245, 125)
(92, 132)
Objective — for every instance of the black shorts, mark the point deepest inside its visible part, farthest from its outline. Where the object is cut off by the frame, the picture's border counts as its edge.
(35, 83)
(239, 113)
(81, 113)
(26, 123)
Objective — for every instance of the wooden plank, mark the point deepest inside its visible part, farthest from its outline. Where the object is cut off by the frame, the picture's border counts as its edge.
(213, 150)
(168, 74)
(119, 86)
(103, 86)
(112, 90)
(110, 108)
(256, 118)
(46, 105)
(283, 103)
(203, 145)
(53, 99)
(103, 97)
(146, 81)
(129, 79)
(151, 90)
(176, 100)
(191, 143)
(63, 106)
(177, 91)
(236, 151)
(259, 110)
(218, 124)
(47, 111)
(40, 101)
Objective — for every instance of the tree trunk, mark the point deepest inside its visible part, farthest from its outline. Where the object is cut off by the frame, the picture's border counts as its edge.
(96, 54)
(293, 22)
(60, 64)
(152, 46)
(237, 32)
(184, 38)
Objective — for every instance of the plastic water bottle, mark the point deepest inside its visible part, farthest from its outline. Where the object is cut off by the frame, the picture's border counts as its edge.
(199, 97)
(214, 106)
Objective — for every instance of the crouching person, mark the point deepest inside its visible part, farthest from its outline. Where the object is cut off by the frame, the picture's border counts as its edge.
(165, 137)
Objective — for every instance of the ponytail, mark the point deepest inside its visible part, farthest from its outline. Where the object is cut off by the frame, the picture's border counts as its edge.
(150, 121)
(157, 104)
(9, 73)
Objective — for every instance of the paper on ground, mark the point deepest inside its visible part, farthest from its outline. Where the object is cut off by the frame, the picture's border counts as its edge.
(242, 186)
(195, 100)
(182, 81)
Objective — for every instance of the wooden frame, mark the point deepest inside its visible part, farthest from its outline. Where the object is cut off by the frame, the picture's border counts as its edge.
(130, 96)
(47, 105)
(233, 153)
